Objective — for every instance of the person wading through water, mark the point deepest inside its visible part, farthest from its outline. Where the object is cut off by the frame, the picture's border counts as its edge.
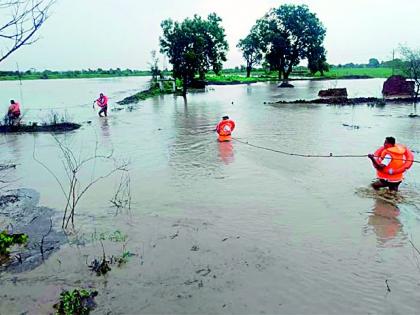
(224, 128)
(391, 161)
(102, 102)
(13, 113)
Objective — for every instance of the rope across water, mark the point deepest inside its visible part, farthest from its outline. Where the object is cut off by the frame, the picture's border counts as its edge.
(331, 155)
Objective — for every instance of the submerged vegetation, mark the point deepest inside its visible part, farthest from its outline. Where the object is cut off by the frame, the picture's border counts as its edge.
(8, 240)
(78, 301)
(153, 91)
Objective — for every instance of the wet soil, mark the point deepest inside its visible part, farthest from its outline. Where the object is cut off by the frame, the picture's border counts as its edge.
(20, 214)
(350, 101)
(61, 127)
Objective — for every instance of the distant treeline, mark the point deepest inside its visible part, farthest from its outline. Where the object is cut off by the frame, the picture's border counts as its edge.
(396, 64)
(48, 74)
(374, 63)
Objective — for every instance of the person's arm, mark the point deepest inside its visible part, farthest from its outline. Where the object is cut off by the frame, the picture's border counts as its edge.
(380, 166)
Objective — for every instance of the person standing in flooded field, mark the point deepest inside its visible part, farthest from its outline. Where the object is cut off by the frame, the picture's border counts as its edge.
(13, 113)
(102, 102)
(224, 128)
(391, 161)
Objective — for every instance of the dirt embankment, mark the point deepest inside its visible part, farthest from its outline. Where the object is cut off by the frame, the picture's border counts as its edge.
(60, 127)
(350, 101)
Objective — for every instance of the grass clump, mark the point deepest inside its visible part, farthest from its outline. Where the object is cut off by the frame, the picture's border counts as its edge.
(7, 240)
(153, 91)
(76, 302)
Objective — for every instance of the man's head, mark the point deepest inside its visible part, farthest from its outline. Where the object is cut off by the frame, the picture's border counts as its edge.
(389, 142)
(225, 117)
(101, 94)
(12, 101)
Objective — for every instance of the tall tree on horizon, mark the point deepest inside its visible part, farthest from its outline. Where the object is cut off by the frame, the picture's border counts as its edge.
(289, 34)
(251, 50)
(194, 46)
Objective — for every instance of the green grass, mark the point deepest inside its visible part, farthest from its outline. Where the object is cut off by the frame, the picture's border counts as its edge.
(338, 73)
(153, 91)
(238, 76)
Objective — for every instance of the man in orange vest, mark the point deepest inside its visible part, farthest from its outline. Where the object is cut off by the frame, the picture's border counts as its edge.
(13, 113)
(102, 102)
(225, 128)
(391, 161)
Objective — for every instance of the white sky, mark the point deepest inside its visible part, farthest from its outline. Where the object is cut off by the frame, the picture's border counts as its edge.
(83, 34)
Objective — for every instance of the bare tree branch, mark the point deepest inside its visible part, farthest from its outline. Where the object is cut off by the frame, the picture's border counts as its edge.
(20, 20)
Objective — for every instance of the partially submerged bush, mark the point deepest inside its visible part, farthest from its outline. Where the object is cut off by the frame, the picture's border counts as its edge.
(7, 240)
(79, 302)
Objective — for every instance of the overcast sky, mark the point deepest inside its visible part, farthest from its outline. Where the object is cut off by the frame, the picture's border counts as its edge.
(83, 34)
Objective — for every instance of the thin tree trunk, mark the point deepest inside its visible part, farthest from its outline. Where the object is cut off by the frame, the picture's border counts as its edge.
(184, 86)
(248, 71)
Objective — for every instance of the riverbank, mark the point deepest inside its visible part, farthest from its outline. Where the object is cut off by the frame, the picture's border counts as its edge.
(153, 91)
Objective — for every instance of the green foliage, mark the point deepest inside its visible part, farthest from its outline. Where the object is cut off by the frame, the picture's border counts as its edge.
(373, 63)
(116, 236)
(194, 46)
(153, 91)
(317, 60)
(289, 34)
(78, 302)
(123, 259)
(7, 240)
(251, 50)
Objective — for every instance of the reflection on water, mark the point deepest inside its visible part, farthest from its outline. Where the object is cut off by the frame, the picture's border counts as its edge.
(385, 223)
(226, 152)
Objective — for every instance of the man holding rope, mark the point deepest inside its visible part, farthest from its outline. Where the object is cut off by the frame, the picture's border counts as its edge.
(391, 161)
(102, 102)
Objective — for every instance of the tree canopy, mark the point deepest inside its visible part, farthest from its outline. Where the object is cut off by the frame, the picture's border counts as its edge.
(289, 34)
(251, 50)
(194, 46)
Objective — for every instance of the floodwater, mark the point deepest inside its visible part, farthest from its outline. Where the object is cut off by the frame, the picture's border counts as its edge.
(222, 228)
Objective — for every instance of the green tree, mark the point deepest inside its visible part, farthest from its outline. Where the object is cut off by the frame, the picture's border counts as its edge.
(194, 46)
(154, 65)
(317, 60)
(251, 50)
(289, 33)
(373, 63)
(412, 68)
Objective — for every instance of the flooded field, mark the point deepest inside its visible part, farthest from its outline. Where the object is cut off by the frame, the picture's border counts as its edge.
(222, 228)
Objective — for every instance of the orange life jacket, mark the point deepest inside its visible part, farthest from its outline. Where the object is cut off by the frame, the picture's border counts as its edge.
(102, 101)
(15, 109)
(401, 160)
(225, 127)
(224, 138)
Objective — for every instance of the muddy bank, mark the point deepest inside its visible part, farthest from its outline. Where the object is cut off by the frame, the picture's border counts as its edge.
(60, 127)
(350, 101)
(20, 213)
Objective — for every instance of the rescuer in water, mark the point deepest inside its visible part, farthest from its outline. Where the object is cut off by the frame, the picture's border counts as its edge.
(391, 161)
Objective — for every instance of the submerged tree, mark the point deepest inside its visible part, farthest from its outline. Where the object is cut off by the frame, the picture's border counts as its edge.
(251, 50)
(20, 20)
(194, 46)
(411, 68)
(154, 65)
(317, 60)
(289, 34)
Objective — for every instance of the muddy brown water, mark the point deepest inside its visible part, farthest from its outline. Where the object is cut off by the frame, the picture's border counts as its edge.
(225, 228)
